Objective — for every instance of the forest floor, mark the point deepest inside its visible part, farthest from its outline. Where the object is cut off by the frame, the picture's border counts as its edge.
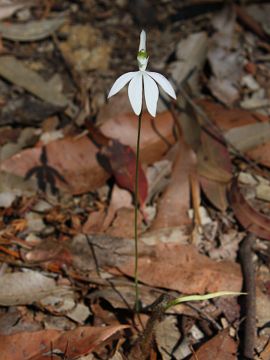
(67, 172)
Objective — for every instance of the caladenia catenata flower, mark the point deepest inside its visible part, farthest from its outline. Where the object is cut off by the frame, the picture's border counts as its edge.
(140, 82)
(143, 81)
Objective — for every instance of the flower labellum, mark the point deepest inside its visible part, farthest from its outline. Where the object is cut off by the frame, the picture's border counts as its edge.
(143, 81)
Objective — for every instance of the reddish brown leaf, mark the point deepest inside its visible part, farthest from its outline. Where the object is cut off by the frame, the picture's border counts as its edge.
(229, 118)
(250, 219)
(75, 159)
(175, 201)
(156, 134)
(221, 347)
(216, 192)
(120, 199)
(182, 268)
(122, 164)
(73, 343)
(214, 166)
(94, 223)
(261, 154)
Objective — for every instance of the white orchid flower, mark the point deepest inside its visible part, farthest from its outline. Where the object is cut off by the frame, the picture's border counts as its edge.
(143, 80)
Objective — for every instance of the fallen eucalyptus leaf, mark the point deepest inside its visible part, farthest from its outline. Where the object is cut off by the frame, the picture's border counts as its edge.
(247, 137)
(17, 73)
(26, 288)
(248, 216)
(30, 31)
(8, 9)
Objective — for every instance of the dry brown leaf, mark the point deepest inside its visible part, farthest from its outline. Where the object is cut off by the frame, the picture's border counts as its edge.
(214, 166)
(216, 192)
(169, 265)
(221, 347)
(120, 161)
(120, 199)
(26, 288)
(261, 154)
(167, 337)
(31, 30)
(182, 268)
(175, 201)
(17, 73)
(8, 9)
(227, 119)
(94, 223)
(123, 224)
(265, 355)
(224, 59)
(81, 341)
(251, 219)
(249, 136)
(156, 134)
(191, 54)
(75, 159)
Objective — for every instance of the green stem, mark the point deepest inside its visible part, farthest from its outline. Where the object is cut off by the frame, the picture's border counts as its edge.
(137, 305)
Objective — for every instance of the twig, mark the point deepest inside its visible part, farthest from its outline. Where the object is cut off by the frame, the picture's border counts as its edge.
(250, 299)
(205, 316)
(142, 347)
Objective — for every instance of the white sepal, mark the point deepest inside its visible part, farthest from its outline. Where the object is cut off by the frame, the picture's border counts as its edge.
(121, 82)
(163, 82)
(150, 93)
(142, 46)
(135, 93)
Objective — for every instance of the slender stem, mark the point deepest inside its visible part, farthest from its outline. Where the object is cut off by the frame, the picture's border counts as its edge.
(137, 305)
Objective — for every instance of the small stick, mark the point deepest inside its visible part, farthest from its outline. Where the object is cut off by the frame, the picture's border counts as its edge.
(143, 345)
(250, 299)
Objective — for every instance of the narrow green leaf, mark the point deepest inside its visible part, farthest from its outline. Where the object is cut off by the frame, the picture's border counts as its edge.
(202, 297)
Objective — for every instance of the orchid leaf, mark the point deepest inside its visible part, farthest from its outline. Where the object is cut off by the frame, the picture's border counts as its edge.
(202, 297)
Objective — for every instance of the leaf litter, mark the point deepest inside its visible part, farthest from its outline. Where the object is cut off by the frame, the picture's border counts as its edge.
(67, 189)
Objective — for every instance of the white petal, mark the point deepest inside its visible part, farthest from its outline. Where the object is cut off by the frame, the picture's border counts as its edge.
(135, 93)
(163, 82)
(150, 93)
(121, 82)
(142, 41)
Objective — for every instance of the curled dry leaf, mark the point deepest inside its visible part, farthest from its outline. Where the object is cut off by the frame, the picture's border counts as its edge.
(251, 219)
(73, 343)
